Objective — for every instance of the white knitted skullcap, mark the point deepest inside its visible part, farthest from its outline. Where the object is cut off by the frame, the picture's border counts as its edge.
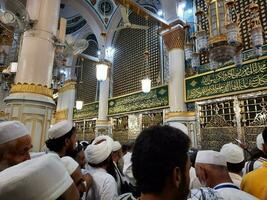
(233, 153)
(43, 178)
(59, 129)
(211, 157)
(11, 130)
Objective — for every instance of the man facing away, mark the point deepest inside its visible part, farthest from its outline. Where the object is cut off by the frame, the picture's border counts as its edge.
(98, 155)
(235, 161)
(15, 144)
(255, 182)
(211, 169)
(160, 163)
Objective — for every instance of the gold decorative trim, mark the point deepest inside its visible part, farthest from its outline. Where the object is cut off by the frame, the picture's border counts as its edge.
(103, 122)
(31, 88)
(70, 85)
(174, 39)
(180, 114)
(61, 115)
(2, 114)
(216, 39)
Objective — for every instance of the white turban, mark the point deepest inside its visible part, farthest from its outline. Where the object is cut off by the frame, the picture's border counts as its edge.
(116, 146)
(233, 153)
(11, 130)
(70, 164)
(179, 126)
(59, 129)
(99, 150)
(210, 157)
(43, 178)
(259, 142)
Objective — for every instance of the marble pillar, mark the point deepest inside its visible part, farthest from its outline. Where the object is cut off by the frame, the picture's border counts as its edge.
(103, 124)
(30, 99)
(65, 102)
(174, 40)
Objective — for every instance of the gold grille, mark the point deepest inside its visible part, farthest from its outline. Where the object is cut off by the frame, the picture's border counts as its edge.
(219, 114)
(152, 119)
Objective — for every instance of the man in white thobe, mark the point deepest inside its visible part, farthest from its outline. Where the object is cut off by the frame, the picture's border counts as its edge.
(211, 169)
(98, 155)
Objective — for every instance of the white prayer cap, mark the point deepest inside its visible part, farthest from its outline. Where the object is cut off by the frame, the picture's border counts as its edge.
(259, 142)
(43, 178)
(99, 150)
(59, 129)
(233, 153)
(179, 126)
(11, 130)
(116, 146)
(70, 164)
(211, 157)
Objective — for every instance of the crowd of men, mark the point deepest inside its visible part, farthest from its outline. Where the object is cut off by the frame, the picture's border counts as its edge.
(159, 165)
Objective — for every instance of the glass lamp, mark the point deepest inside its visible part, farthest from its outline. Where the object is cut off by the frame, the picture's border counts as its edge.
(79, 105)
(101, 71)
(146, 85)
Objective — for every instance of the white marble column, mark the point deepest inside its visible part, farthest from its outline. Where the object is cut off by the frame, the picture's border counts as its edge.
(31, 100)
(65, 102)
(174, 41)
(103, 125)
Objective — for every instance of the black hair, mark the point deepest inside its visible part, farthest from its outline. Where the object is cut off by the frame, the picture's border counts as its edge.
(124, 148)
(256, 153)
(77, 150)
(157, 151)
(235, 168)
(264, 135)
(193, 155)
(58, 143)
(84, 144)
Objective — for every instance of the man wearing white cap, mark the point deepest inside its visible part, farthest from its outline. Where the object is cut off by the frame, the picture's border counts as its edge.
(211, 169)
(62, 138)
(235, 161)
(98, 155)
(15, 144)
(255, 182)
(43, 178)
(256, 163)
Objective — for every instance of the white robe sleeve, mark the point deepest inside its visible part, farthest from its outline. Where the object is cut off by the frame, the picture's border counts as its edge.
(109, 190)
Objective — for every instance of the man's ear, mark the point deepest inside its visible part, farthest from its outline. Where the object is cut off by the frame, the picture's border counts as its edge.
(67, 142)
(176, 176)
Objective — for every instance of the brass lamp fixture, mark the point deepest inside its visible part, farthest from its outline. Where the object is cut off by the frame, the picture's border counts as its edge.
(222, 42)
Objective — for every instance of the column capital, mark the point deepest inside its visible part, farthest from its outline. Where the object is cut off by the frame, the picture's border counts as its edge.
(69, 85)
(174, 38)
